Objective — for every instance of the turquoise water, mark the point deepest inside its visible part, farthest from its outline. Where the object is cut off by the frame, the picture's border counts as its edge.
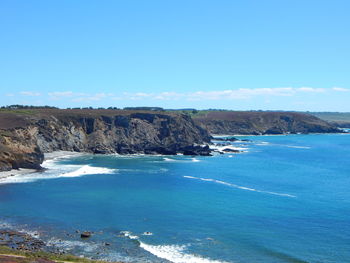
(284, 199)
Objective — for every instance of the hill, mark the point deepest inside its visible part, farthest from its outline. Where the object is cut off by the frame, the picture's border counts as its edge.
(258, 122)
(340, 119)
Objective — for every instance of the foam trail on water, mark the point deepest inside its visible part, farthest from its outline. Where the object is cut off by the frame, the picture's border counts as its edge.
(238, 186)
(57, 171)
(298, 147)
(169, 159)
(128, 234)
(180, 160)
(87, 169)
(176, 254)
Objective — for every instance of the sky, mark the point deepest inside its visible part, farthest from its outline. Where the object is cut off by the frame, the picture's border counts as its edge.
(238, 55)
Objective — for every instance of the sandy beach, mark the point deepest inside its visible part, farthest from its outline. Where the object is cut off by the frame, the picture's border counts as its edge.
(48, 156)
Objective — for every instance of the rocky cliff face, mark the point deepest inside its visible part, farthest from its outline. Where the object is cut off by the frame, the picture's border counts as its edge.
(255, 123)
(96, 132)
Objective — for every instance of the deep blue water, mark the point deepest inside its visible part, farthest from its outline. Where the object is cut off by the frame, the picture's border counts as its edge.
(285, 199)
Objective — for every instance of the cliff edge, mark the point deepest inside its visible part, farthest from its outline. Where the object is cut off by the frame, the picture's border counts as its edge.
(26, 134)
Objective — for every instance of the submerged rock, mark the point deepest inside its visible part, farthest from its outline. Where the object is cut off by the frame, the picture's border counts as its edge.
(85, 234)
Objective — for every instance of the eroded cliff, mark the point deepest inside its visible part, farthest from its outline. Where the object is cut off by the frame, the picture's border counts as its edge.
(255, 123)
(25, 137)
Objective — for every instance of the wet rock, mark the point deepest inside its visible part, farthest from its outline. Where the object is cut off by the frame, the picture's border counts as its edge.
(85, 234)
(230, 150)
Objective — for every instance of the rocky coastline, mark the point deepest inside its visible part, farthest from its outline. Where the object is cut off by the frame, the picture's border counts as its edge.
(26, 135)
(24, 138)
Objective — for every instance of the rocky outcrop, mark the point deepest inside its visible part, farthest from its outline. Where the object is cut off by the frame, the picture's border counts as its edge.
(98, 132)
(341, 124)
(256, 123)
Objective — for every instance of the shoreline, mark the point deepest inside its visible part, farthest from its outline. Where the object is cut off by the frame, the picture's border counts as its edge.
(16, 172)
(284, 134)
(66, 154)
(48, 157)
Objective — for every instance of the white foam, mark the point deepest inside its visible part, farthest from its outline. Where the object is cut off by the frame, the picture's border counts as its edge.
(238, 186)
(72, 244)
(31, 233)
(5, 225)
(128, 234)
(179, 160)
(222, 148)
(298, 147)
(176, 254)
(57, 171)
(87, 169)
(20, 229)
(262, 143)
(169, 159)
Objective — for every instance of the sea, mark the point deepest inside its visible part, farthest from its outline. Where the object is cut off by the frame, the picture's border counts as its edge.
(281, 199)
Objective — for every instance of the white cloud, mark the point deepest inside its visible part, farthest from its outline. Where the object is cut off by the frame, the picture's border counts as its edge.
(212, 95)
(234, 94)
(59, 94)
(263, 94)
(78, 96)
(30, 93)
(309, 89)
(340, 89)
(92, 97)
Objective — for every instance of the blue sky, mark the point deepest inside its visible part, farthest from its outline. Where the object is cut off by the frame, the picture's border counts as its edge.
(240, 55)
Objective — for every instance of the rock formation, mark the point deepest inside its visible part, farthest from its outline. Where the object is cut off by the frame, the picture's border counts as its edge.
(256, 123)
(25, 137)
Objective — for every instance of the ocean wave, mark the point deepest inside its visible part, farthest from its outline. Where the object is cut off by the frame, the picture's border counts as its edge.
(238, 186)
(57, 171)
(298, 147)
(262, 143)
(221, 148)
(175, 253)
(87, 169)
(128, 234)
(168, 159)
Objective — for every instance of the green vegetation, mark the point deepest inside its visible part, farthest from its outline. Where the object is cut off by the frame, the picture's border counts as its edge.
(4, 133)
(333, 116)
(48, 256)
(18, 111)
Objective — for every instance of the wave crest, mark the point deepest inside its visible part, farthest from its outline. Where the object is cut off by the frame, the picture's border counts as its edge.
(238, 186)
(175, 253)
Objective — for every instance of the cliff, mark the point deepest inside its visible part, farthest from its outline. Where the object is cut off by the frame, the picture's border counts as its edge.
(338, 119)
(255, 123)
(26, 135)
